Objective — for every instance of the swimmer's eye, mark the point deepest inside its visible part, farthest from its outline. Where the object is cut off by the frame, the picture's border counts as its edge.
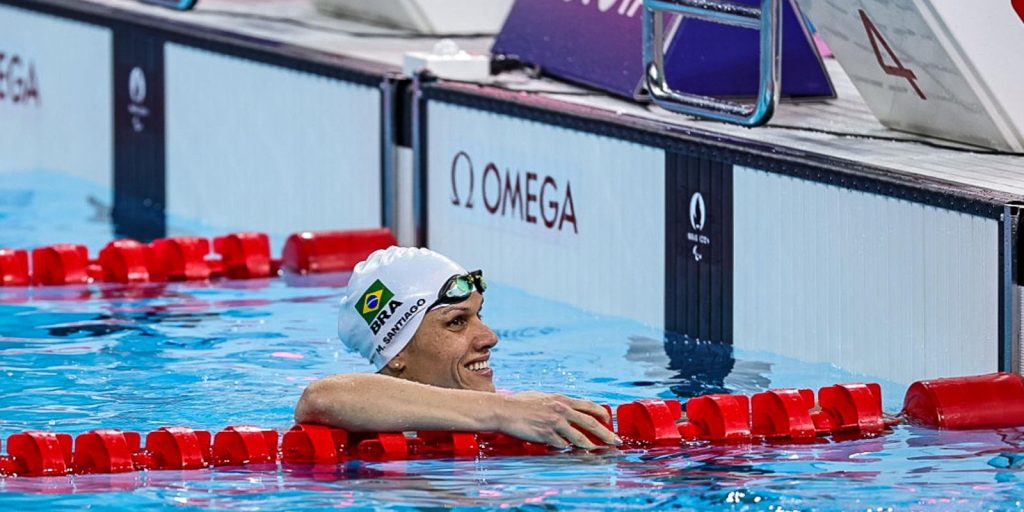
(456, 322)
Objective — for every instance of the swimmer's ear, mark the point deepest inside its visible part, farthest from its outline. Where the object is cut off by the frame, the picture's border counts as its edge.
(395, 366)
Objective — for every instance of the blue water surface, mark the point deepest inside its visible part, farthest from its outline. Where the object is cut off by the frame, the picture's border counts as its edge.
(210, 355)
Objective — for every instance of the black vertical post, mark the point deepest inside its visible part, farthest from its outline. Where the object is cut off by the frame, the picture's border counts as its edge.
(1010, 276)
(698, 247)
(139, 135)
(417, 136)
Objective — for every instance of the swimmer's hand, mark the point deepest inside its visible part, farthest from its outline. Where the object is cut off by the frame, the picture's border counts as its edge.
(555, 420)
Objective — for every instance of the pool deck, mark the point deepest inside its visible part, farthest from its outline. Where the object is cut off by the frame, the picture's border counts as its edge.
(842, 130)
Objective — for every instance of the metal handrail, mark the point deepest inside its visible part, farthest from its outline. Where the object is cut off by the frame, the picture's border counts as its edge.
(767, 19)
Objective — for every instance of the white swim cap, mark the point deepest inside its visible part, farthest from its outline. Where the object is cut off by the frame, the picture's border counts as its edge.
(388, 296)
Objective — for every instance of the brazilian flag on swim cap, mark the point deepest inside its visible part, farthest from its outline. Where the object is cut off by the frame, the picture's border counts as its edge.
(373, 300)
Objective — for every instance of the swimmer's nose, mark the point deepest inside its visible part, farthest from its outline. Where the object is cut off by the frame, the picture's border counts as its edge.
(486, 339)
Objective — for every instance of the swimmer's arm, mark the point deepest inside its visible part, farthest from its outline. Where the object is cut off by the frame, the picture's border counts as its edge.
(380, 403)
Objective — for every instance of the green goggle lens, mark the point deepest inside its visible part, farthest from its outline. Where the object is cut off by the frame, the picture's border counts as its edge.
(462, 287)
(459, 287)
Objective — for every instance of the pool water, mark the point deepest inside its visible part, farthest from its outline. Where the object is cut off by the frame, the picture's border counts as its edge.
(211, 355)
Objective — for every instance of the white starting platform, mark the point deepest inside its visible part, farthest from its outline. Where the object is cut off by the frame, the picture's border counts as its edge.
(823, 235)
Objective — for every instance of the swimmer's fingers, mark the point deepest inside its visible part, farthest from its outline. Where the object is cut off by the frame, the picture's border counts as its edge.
(592, 425)
(588, 407)
(558, 420)
(572, 435)
(556, 440)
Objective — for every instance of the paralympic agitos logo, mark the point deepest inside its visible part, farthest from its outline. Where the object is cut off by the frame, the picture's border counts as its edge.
(529, 197)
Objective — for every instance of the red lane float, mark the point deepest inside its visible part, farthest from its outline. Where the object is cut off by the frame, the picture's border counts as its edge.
(649, 422)
(7, 466)
(319, 445)
(14, 267)
(237, 256)
(332, 251)
(984, 401)
(181, 258)
(124, 261)
(245, 255)
(853, 408)
(314, 444)
(493, 443)
(783, 413)
(60, 264)
(36, 453)
(720, 417)
(105, 451)
(387, 445)
(179, 448)
(450, 444)
(235, 446)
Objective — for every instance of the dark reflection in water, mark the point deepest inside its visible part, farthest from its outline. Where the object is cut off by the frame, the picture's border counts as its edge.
(690, 367)
(31, 323)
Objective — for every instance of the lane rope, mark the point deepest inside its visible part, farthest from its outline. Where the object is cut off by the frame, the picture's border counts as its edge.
(842, 412)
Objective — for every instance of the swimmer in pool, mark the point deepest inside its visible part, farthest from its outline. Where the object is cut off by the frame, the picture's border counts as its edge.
(415, 315)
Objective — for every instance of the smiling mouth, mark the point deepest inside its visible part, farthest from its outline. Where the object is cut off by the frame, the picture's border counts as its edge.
(479, 367)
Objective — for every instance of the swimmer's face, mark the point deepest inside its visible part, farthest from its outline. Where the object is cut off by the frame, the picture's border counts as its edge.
(451, 348)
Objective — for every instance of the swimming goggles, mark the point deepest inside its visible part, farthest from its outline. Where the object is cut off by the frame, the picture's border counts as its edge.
(459, 287)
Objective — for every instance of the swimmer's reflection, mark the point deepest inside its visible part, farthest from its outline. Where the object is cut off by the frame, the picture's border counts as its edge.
(692, 367)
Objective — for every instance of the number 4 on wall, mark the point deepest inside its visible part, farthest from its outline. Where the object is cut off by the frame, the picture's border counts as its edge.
(875, 37)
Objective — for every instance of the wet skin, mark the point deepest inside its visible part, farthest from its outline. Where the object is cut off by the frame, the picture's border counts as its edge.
(451, 349)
